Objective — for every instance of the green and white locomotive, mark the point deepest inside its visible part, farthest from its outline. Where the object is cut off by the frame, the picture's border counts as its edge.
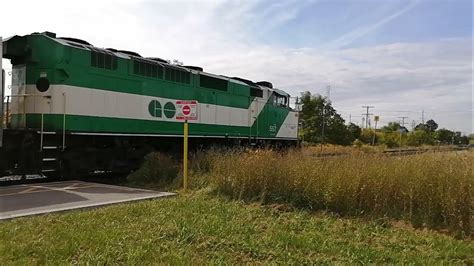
(78, 108)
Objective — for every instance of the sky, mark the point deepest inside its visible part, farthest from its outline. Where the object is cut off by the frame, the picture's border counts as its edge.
(401, 56)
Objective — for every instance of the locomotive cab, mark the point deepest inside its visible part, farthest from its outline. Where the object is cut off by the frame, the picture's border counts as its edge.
(36, 64)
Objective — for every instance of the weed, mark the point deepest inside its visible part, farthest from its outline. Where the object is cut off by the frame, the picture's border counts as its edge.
(158, 169)
(429, 190)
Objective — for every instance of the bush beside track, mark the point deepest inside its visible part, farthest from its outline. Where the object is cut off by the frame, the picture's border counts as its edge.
(429, 190)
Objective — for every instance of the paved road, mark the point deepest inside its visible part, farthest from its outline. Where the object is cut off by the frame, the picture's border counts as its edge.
(31, 199)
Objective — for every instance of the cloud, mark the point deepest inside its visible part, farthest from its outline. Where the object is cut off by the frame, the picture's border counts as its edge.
(433, 76)
(359, 32)
(222, 37)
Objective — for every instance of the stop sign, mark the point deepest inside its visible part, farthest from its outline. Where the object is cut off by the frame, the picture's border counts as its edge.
(186, 110)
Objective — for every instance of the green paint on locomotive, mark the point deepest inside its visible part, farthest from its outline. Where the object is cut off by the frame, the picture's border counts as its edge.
(68, 65)
(133, 126)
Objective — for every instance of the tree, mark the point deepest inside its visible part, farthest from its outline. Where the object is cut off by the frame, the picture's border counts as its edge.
(422, 126)
(463, 140)
(431, 125)
(391, 139)
(367, 136)
(444, 136)
(335, 131)
(391, 127)
(392, 133)
(420, 137)
(354, 130)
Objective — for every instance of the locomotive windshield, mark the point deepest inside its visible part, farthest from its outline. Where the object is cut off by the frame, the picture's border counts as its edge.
(280, 100)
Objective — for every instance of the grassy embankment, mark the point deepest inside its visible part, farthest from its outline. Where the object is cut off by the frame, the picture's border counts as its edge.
(198, 228)
(269, 207)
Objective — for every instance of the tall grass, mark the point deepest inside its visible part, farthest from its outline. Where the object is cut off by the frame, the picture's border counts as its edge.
(158, 169)
(429, 190)
(432, 190)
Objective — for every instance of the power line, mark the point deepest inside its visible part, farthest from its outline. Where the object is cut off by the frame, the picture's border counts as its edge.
(403, 120)
(403, 125)
(328, 88)
(367, 114)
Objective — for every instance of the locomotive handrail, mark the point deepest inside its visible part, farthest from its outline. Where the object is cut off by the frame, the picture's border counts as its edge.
(18, 95)
(42, 113)
(64, 122)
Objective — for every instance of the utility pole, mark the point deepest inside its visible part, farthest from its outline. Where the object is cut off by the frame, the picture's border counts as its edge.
(350, 119)
(367, 114)
(328, 92)
(422, 116)
(322, 131)
(402, 125)
(298, 127)
(403, 120)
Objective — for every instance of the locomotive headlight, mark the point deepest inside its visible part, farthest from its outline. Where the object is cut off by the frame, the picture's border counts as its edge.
(42, 84)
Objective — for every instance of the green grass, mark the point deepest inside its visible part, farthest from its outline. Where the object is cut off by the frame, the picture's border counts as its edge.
(200, 228)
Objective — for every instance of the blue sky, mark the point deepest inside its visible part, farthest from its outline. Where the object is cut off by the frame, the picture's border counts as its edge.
(400, 56)
(322, 22)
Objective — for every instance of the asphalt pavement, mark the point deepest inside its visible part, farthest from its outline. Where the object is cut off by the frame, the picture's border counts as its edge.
(41, 198)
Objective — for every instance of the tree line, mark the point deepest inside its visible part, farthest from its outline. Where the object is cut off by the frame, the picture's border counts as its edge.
(320, 123)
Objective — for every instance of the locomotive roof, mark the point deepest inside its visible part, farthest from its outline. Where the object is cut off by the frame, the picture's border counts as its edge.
(81, 44)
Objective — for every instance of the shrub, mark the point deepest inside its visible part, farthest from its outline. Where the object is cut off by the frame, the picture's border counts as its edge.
(357, 143)
(431, 190)
(158, 169)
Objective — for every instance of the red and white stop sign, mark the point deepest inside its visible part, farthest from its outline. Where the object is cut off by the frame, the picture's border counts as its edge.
(186, 110)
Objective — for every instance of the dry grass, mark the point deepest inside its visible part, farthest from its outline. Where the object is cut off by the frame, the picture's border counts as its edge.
(429, 190)
(338, 149)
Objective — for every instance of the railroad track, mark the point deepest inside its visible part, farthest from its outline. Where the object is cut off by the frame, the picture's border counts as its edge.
(396, 152)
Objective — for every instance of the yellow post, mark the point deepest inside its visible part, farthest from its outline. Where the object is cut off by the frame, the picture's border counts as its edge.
(185, 156)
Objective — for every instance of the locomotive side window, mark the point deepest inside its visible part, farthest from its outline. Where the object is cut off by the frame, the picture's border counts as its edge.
(213, 83)
(94, 59)
(147, 69)
(108, 61)
(100, 60)
(177, 75)
(142, 69)
(154, 70)
(279, 100)
(256, 92)
(103, 60)
(136, 67)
